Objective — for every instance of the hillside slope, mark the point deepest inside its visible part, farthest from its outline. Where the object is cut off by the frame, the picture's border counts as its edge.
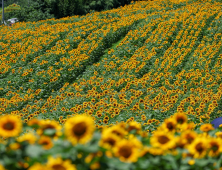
(166, 59)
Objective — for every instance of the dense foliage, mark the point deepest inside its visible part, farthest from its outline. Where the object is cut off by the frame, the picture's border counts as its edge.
(136, 66)
(35, 10)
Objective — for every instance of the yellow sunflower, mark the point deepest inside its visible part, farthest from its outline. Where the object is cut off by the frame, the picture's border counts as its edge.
(198, 148)
(1, 167)
(28, 137)
(169, 125)
(38, 166)
(206, 127)
(186, 126)
(49, 125)
(219, 135)
(128, 150)
(118, 130)
(14, 146)
(163, 140)
(134, 126)
(215, 147)
(34, 122)
(10, 126)
(186, 138)
(46, 142)
(151, 150)
(180, 118)
(108, 140)
(79, 129)
(59, 164)
(95, 166)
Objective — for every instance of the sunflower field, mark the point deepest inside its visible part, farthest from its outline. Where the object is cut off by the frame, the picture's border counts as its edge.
(132, 88)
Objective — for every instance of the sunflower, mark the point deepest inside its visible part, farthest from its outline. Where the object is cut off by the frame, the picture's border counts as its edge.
(59, 164)
(163, 140)
(14, 146)
(1, 167)
(38, 166)
(118, 130)
(151, 150)
(134, 126)
(180, 117)
(28, 137)
(206, 127)
(46, 142)
(128, 150)
(198, 148)
(10, 126)
(219, 135)
(169, 125)
(215, 147)
(34, 122)
(186, 138)
(94, 166)
(79, 129)
(49, 125)
(108, 140)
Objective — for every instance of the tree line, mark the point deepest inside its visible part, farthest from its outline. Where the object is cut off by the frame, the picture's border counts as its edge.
(35, 10)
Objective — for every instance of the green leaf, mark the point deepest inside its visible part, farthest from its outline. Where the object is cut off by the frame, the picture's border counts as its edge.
(143, 163)
(117, 164)
(49, 132)
(34, 151)
(171, 159)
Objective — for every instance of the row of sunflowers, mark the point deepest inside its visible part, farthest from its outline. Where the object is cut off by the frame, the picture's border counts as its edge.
(79, 145)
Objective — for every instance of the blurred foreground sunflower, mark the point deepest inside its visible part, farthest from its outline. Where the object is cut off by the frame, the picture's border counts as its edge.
(28, 137)
(108, 140)
(59, 164)
(1, 167)
(79, 129)
(169, 125)
(10, 126)
(163, 140)
(198, 148)
(128, 150)
(49, 125)
(46, 142)
(206, 127)
(186, 138)
(180, 117)
(38, 166)
(215, 147)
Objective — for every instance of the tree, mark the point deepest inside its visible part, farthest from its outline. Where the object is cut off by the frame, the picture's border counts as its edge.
(34, 11)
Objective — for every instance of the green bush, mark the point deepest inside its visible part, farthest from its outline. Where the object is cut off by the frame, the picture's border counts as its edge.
(35, 11)
(63, 8)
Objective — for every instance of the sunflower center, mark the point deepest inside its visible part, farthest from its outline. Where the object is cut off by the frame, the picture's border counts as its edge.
(80, 129)
(117, 133)
(110, 141)
(9, 126)
(170, 126)
(163, 139)
(215, 148)
(45, 143)
(190, 139)
(132, 128)
(199, 148)
(58, 167)
(125, 151)
(180, 120)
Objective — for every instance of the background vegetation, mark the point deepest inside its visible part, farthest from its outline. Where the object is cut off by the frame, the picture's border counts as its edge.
(35, 10)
